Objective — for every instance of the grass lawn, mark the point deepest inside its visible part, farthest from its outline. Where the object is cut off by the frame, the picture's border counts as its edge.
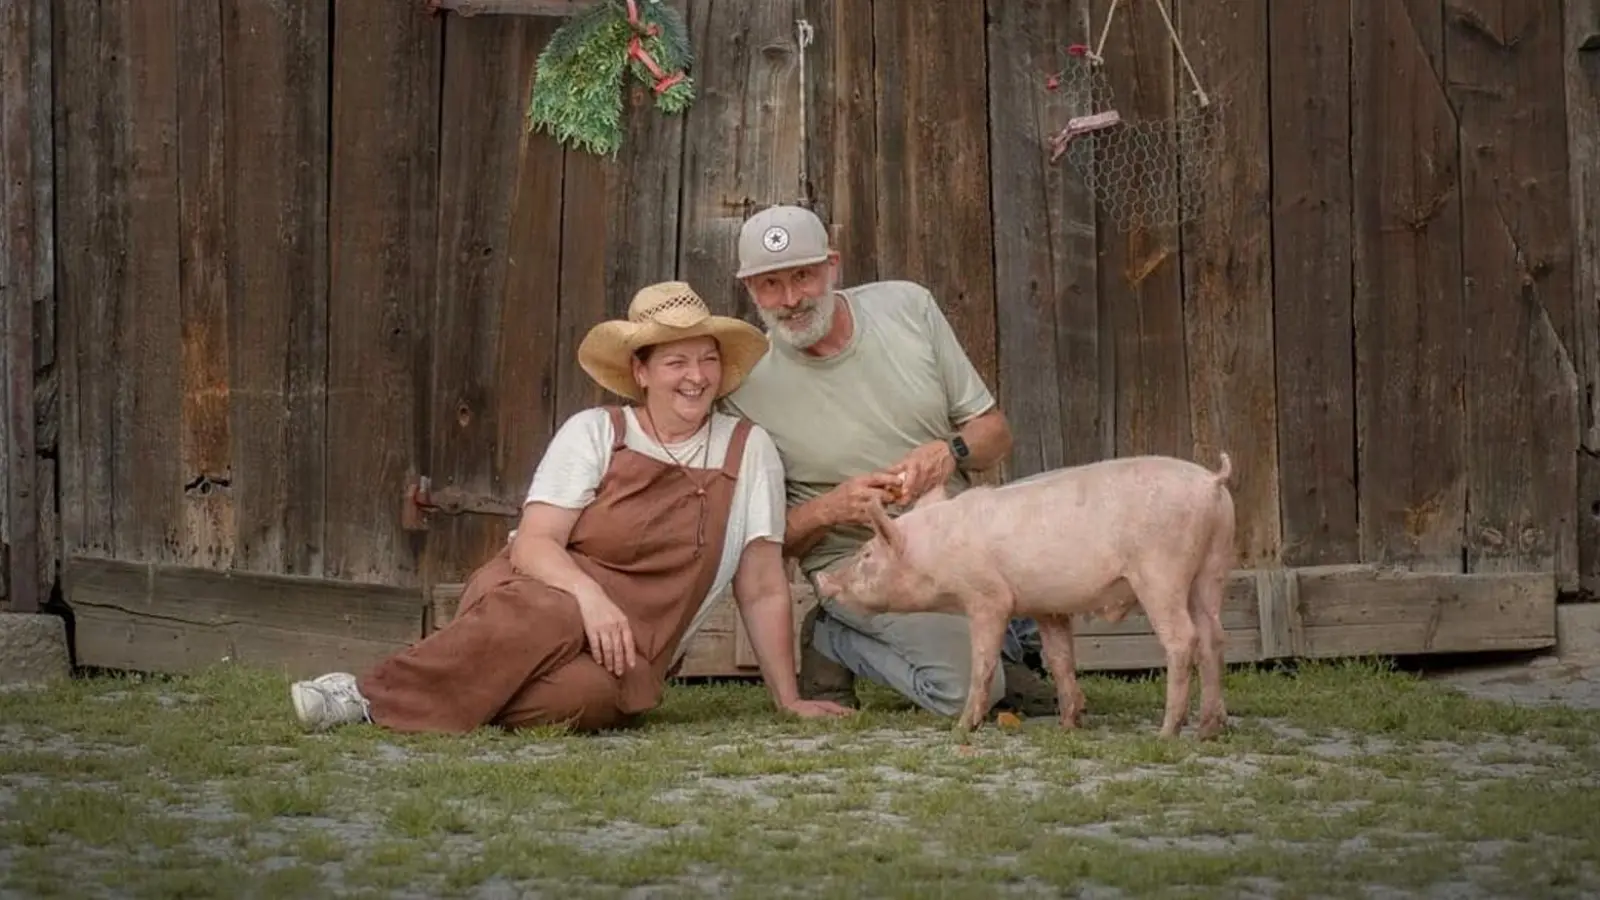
(1334, 780)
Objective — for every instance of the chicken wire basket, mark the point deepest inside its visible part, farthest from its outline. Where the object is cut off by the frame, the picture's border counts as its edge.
(1145, 173)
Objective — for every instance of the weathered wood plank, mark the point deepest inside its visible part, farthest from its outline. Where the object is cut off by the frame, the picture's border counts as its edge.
(1409, 324)
(275, 82)
(205, 532)
(1357, 611)
(841, 131)
(530, 354)
(1313, 332)
(1141, 296)
(585, 225)
(742, 143)
(1277, 596)
(49, 534)
(933, 220)
(42, 110)
(91, 138)
(47, 405)
(156, 618)
(1048, 317)
(382, 227)
(1522, 425)
(610, 249)
(1582, 65)
(643, 185)
(1227, 273)
(147, 484)
(493, 328)
(1589, 522)
(1121, 653)
(19, 243)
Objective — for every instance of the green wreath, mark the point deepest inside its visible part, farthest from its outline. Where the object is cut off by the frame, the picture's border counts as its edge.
(577, 93)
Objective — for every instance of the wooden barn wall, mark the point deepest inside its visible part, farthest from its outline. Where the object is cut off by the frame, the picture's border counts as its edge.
(306, 252)
(29, 398)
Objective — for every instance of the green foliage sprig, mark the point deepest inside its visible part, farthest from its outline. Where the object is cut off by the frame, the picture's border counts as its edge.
(577, 92)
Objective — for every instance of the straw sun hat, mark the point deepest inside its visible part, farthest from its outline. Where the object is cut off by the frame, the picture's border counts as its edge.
(668, 311)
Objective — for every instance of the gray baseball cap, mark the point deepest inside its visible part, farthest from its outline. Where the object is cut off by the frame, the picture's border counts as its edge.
(779, 237)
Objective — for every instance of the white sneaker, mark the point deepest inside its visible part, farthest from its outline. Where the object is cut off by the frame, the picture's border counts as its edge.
(329, 700)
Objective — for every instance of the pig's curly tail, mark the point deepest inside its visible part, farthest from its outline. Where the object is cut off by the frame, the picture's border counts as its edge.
(1223, 474)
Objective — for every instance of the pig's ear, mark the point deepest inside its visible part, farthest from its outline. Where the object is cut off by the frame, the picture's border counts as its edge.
(885, 526)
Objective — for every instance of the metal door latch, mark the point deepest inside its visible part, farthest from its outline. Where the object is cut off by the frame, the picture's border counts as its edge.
(421, 502)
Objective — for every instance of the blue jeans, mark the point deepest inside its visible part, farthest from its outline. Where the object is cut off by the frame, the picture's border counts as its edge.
(925, 657)
(1022, 636)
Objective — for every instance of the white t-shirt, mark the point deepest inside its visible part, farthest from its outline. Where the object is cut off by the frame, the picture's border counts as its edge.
(580, 452)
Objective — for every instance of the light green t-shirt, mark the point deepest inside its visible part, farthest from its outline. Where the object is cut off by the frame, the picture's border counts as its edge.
(902, 381)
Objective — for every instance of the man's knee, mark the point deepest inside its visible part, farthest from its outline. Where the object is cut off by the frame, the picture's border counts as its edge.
(936, 648)
(943, 678)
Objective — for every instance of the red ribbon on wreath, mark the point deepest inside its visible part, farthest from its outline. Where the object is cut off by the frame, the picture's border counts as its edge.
(637, 51)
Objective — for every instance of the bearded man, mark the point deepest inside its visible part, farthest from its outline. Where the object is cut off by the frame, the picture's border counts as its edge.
(870, 399)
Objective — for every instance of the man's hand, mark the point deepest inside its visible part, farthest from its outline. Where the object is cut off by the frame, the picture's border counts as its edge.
(851, 502)
(610, 635)
(816, 709)
(929, 465)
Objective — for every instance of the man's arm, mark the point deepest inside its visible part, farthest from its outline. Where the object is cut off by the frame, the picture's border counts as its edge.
(805, 525)
(988, 437)
(848, 504)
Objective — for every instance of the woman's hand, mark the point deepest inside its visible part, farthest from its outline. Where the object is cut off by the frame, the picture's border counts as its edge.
(610, 635)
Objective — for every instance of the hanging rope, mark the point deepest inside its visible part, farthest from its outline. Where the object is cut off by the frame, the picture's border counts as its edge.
(803, 37)
(1145, 172)
(637, 51)
(1097, 55)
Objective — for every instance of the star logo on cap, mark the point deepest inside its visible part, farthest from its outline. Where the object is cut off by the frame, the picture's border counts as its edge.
(775, 239)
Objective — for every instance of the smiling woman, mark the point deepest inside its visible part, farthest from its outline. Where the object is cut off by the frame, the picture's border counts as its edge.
(636, 517)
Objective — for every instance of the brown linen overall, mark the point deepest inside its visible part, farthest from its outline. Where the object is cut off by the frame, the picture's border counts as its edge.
(516, 654)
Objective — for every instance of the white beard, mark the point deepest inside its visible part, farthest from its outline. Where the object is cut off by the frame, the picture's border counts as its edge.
(815, 327)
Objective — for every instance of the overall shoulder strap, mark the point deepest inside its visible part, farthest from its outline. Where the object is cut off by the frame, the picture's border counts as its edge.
(619, 428)
(735, 455)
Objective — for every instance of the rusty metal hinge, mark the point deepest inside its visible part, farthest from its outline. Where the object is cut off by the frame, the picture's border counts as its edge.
(421, 501)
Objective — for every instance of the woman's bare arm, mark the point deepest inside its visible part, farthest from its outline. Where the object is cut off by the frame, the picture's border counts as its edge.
(761, 588)
(540, 550)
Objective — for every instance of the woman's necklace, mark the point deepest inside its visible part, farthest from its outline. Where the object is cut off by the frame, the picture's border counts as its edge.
(699, 486)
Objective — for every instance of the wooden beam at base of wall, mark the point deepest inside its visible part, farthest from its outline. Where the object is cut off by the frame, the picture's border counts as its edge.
(162, 618)
(1313, 612)
(508, 7)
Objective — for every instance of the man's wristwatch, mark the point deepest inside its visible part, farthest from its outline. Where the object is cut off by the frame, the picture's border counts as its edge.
(961, 452)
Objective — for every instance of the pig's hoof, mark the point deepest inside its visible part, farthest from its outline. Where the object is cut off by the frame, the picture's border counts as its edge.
(1210, 729)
